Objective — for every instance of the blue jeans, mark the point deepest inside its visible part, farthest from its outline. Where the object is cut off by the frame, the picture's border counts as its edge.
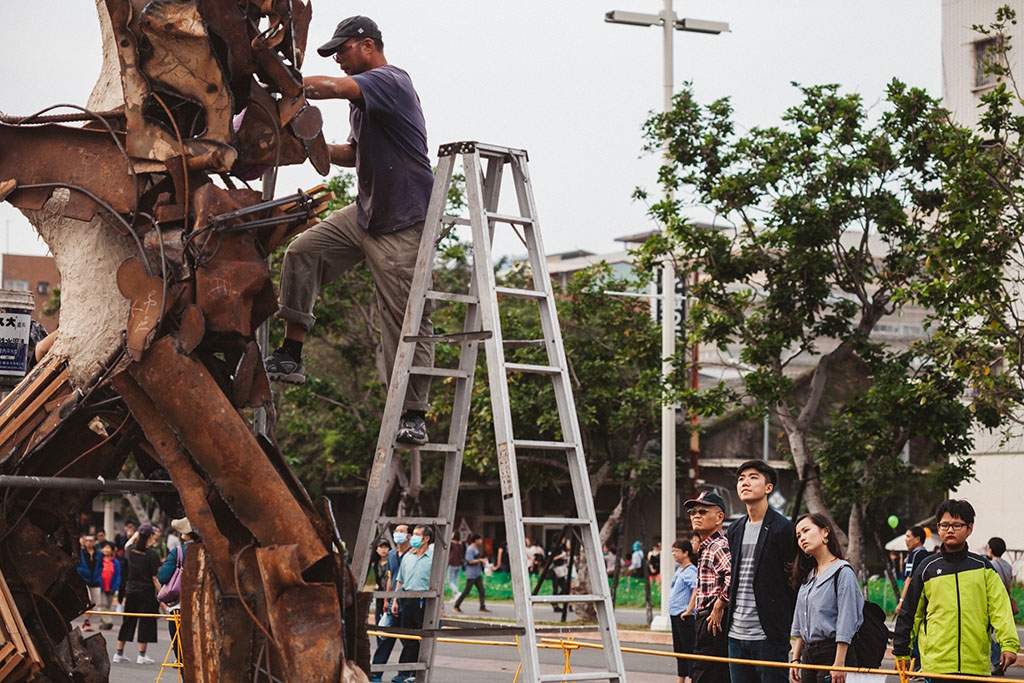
(768, 650)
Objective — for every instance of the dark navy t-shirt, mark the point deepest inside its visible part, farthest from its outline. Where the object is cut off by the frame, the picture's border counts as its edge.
(392, 165)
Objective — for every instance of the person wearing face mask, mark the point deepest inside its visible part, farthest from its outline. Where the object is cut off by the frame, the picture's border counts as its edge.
(413, 575)
(400, 536)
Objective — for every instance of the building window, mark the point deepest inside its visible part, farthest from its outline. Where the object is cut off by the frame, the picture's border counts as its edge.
(20, 285)
(42, 287)
(984, 55)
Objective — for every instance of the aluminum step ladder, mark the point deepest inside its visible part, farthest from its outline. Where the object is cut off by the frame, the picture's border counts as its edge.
(482, 324)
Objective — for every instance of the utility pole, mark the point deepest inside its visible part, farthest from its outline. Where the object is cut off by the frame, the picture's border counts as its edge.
(669, 23)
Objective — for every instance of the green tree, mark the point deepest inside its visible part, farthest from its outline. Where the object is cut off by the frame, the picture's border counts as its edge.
(827, 221)
(974, 274)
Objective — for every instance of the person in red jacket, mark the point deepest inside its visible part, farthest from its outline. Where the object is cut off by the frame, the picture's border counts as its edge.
(110, 582)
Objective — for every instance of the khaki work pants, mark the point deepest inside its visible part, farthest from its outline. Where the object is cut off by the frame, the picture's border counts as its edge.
(327, 250)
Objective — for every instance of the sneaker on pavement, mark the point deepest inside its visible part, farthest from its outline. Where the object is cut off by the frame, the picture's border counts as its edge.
(143, 659)
(484, 609)
(281, 367)
(412, 429)
(119, 658)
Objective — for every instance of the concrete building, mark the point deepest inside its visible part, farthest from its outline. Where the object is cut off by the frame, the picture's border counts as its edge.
(36, 274)
(999, 463)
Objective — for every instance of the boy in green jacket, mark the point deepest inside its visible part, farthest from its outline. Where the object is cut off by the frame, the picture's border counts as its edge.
(954, 596)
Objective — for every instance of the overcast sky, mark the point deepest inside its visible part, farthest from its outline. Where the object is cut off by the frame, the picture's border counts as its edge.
(551, 77)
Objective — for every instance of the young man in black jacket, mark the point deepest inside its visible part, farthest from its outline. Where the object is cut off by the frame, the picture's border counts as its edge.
(763, 547)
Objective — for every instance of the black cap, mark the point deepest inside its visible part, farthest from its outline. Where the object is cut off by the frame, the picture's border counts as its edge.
(761, 466)
(706, 498)
(353, 27)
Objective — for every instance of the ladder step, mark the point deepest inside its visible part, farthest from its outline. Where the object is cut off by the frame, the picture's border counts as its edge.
(406, 666)
(556, 521)
(438, 372)
(409, 594)
(521, 343)
(544, 445)
(547, 599)
(533, 369)
(435, 295)
(455, 220)
(507, 218)
(437, 448)
(453, 338)
(521, 293)
(581, 676)
(412, 521)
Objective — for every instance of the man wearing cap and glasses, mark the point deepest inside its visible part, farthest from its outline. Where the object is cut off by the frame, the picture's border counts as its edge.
(388, 148)
(714, 576)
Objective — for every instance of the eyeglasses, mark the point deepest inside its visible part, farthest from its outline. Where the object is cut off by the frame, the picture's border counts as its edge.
(951, 526)
(344, 48)
(699, 512)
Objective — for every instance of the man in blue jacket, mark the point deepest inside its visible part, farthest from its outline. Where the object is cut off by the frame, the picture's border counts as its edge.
(763, 547)
(89, 568)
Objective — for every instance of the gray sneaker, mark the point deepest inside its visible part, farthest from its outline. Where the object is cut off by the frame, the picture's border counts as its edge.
(281, 367)
(412, 429)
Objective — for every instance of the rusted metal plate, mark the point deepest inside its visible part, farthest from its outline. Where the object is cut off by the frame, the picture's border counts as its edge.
(73, 156)
(146, 292)
(257, 140)
(191, 329)
(230, 283)
(181, 58)
(226, 21)
(304, 617)
(217, 637)
(307, 123)
(272, 68)
(229, 455)
(193, 489)
(302, 14)
(319, 155)
(250, 388)
(7, 187)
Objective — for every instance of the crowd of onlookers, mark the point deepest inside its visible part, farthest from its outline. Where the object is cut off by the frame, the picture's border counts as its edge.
(767, 589)
(138, 573)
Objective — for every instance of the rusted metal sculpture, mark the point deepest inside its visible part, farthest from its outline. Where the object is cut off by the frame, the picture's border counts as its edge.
(165, 281)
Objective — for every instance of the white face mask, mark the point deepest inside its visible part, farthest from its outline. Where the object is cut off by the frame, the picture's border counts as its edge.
(399, 537)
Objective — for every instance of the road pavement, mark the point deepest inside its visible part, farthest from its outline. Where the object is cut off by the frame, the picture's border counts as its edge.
(466, 663)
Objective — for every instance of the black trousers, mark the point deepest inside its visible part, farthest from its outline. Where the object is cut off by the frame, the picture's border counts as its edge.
(479, 583)
(822, 652)
(714, 645)
(682, 642)
(410, 615)
(142, 603)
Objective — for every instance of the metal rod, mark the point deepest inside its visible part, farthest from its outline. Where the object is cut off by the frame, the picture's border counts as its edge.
(80, 484)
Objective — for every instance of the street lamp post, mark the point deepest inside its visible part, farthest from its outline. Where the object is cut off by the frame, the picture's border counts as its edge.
(669, 23)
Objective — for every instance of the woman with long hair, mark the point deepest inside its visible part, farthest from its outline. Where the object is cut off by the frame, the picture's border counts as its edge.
(829, 604)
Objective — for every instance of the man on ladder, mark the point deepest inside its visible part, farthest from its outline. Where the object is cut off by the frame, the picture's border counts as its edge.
(388, 148)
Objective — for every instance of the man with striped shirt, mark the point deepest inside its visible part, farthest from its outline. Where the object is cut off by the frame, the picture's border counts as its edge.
(762, 545)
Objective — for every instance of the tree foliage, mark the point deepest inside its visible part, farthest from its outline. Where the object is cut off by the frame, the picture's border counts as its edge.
(824, 226)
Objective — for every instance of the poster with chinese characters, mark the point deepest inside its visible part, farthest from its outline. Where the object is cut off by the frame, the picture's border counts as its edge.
(14, 329)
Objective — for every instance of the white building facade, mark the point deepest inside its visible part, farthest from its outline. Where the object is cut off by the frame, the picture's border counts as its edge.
(996, 492)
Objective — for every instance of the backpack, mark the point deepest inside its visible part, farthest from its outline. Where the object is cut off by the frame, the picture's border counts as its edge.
(872, 638)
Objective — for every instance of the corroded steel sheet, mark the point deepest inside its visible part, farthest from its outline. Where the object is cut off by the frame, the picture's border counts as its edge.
(220, 442)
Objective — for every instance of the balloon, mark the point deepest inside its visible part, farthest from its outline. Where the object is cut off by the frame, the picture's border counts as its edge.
(894, 521)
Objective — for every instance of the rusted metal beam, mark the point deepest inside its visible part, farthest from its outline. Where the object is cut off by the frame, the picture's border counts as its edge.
(187, 396)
